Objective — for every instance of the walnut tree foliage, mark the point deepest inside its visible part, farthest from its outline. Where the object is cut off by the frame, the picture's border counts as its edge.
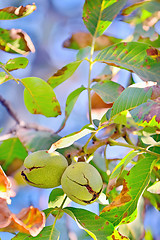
(134, 110)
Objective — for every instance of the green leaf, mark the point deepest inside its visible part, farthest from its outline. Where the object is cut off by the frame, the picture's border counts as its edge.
(53, 212)
(70, 102)
(99, 14)
(135, 229)
(128, 10)
(37, 140)
(155, 43)
(123, 118)
(97, 227)
(45, 234)
(12, 152)
(10, 13)
(39, 97)
(108, 91)
(147, 114)
(15, 41)
(152, 6)
(56, 198)
(122, 209)
(71, 138)
(16, 63)
(117, 171)
(4, 77)
(131, 97)
(83, 53)
(63, 74)
(153, 198)
(136, 57)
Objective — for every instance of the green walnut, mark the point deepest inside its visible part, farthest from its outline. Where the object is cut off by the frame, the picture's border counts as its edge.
(82, 183)
(43, 169)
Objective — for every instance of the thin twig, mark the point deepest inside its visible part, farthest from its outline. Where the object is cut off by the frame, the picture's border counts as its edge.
(9, 110)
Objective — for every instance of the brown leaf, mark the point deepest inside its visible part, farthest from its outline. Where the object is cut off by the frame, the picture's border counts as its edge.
(82, 39)
(98, 103)
(155, 92)
(30, 220)
(16, 12)
(154, 53)
(120, 200)
(5, 187)
(15, 41)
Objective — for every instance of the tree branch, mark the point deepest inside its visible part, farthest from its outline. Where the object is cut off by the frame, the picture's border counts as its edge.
(9, 110)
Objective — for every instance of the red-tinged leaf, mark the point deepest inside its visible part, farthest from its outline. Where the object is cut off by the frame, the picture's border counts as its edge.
(5, 187)
(117, 236)
(63, 74)
(12, 159)
(147, 114)
(108, 90)
(99, 14)
(122, 209)
(133, 96)
(40, 98)
(30, 220)
(16, 63)
(15, 41)
(10, 13)
(97, 227)
(140, 58)
(82, 40)
(45, 234)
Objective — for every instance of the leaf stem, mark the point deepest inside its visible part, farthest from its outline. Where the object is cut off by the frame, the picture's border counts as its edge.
(11, 76)
(55, 220)
(89, 78)
(115, 143)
